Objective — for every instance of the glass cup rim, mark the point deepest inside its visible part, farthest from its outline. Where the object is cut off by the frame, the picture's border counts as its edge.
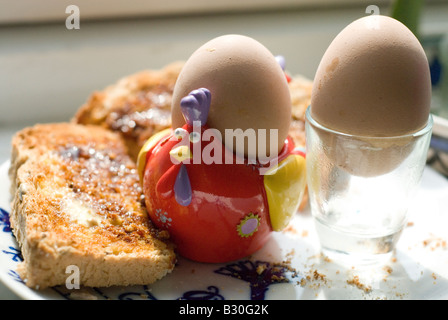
(427, 128)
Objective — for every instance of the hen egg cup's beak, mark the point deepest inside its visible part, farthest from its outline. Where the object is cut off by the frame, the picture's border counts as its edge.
(181, 153)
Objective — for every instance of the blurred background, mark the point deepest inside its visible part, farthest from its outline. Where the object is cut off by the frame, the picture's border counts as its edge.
(48, 71)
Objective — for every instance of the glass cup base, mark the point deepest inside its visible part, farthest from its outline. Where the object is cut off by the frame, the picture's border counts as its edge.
(355, 248)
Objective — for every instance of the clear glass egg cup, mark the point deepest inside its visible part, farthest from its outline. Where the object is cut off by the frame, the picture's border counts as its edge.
(360, 188)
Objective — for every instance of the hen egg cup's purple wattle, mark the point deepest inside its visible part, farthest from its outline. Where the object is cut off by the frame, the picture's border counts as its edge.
(216, 212)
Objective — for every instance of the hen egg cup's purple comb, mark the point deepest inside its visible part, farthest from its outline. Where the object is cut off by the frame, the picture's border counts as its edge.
(196, 105)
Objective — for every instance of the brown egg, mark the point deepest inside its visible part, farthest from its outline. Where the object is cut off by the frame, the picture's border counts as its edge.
(248, 90)
(373, 80)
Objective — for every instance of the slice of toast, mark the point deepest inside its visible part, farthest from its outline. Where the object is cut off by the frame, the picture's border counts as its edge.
(77, 203)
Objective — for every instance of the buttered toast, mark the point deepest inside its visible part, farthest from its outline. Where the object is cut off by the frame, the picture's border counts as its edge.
(77, 201)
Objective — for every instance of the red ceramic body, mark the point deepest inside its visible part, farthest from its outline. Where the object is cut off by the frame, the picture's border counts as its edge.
(224, 197)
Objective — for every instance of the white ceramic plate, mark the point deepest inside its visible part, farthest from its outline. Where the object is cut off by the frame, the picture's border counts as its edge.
(290, 266)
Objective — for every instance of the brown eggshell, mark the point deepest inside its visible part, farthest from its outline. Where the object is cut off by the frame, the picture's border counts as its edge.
(248, 89)
(373, 80)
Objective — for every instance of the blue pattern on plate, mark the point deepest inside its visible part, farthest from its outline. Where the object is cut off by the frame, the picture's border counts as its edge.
(15, 276)
(16, 255)
(259, 274)
(4, 220)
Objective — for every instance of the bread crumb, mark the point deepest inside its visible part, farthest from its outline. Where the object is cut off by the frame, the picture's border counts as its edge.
(434, 242)
(290, 254)
(278, 278)
(260, 269)
(388, 269)
(319, 276)
(290, 229)
(355, 281)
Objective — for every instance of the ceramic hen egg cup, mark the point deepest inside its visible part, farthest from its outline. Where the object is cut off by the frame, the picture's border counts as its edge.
(360, 188)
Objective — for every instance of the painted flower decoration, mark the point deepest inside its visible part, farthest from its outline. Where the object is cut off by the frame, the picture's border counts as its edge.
(249, 225)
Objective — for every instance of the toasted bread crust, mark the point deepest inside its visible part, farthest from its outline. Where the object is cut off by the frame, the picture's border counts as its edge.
(77, 201)
(137, 106)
